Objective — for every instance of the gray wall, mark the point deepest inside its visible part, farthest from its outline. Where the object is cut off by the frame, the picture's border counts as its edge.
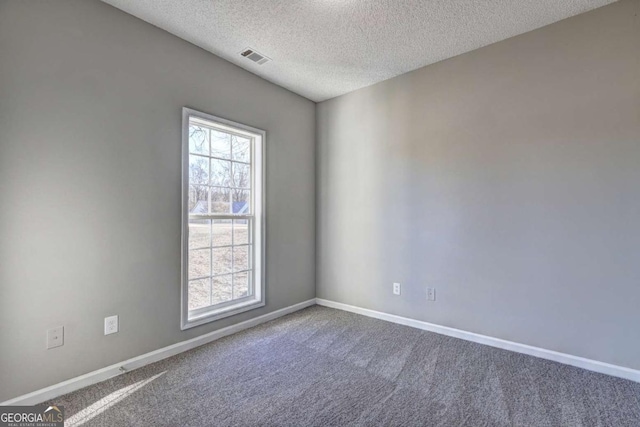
(507, 178)
(90, 117)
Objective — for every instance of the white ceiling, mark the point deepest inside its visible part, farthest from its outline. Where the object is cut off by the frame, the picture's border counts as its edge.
(324, 48)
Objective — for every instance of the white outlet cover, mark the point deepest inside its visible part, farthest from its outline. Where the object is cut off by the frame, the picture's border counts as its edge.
(397, 288)
(431, 294)
(110, 325)
(55, 337)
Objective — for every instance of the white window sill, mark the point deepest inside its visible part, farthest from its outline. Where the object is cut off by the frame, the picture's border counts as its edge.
(206, 316)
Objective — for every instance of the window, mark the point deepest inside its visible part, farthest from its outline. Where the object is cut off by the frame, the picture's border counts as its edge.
(222, 218)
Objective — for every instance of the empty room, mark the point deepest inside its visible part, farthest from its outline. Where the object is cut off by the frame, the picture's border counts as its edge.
(320, 213)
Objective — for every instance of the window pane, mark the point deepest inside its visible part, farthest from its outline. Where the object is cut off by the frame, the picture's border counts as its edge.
(240, 231)
(222, 289)
(199, 293)
(220, 200)
(220, 243)
(241, 205)
(198, 140)
(241, 175)
(199, 263)
(221, 261)
(240, 284)
(240, 149)
(222, 232)
(198, 170)
(198, 199)
(220, 144)
(240, 258)
(221, 173)
(199, 233)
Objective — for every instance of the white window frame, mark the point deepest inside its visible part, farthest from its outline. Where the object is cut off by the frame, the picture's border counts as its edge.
(209, 314)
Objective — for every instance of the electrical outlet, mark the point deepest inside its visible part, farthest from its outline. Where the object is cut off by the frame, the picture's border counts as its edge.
(396, 288)
(110, 325)
(55, 337)
(431, 294)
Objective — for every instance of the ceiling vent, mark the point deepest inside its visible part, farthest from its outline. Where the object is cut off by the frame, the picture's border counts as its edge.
(254, 56)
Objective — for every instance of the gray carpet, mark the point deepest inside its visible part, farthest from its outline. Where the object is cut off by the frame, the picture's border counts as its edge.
(324, 367)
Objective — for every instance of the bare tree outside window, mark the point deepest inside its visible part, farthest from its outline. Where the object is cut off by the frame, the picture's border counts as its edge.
(226, 170)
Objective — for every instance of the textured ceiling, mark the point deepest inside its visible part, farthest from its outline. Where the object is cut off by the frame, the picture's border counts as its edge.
(324, 48)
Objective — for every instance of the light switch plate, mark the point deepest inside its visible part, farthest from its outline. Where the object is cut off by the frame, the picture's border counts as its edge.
(431, 294)
(55, 337)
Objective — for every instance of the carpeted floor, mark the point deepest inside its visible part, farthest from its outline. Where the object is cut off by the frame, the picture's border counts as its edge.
(325, 367)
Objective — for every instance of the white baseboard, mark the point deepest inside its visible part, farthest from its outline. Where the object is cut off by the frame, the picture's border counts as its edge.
(567, 359)
(94, 377)
(103, 374)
